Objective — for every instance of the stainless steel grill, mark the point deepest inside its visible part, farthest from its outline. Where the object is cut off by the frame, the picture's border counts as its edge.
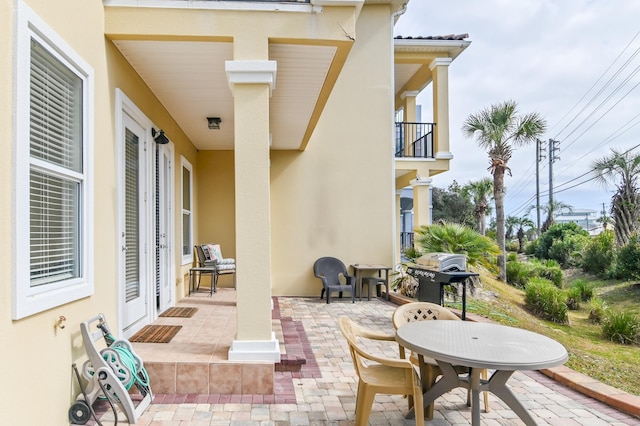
(443, 262)
(435, 270)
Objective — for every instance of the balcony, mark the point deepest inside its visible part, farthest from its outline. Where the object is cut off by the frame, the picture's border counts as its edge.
(414, 140)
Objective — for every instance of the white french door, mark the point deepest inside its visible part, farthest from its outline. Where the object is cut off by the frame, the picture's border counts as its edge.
(134, 225)
(145, 194)
(165, 292)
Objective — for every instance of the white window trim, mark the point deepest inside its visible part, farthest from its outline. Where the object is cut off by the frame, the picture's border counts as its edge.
(29, 300)
(185, 164)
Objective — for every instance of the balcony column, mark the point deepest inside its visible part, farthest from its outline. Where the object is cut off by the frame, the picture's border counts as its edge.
(421, 203)
(409, 105)
(251, 82)
(410, 116)
(440, 69)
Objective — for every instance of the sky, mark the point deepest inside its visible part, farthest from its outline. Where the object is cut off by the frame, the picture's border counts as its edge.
(571, 61)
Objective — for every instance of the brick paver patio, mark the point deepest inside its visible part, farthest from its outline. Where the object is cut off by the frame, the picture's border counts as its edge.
(323, 391)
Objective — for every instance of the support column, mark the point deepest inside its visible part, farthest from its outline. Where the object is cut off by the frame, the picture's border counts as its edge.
(409, 105)
(251, 83)
(398, 227)
(409, 108)
(421, 203)
(440, 69)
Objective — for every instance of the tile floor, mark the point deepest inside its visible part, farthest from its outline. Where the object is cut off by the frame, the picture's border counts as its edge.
(323, 391)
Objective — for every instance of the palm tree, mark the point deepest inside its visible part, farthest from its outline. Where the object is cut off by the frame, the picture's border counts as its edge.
(480, 192)
(499, 129)
(523, 222)
(456, 238)
(605, 220)
(510, 223)
(625, 203)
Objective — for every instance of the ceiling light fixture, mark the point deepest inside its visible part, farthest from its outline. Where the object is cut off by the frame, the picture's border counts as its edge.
(214, 122)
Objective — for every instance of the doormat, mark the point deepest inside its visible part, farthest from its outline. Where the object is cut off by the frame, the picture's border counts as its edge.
(155, 334)
(179, 312)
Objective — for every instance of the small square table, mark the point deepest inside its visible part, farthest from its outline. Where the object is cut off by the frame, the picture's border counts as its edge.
(193, 272)
(359, 268)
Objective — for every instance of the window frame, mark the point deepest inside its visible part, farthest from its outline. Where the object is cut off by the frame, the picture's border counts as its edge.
(27, 299)
(185, 164)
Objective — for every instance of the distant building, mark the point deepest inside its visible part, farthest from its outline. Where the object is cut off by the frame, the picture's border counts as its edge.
(585, 218)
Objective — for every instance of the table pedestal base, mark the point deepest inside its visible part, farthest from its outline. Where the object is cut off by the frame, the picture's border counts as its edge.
(497, 384)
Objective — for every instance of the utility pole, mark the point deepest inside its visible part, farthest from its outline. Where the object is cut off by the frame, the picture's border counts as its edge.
(604, 218)
(552, 158)
(539, 156)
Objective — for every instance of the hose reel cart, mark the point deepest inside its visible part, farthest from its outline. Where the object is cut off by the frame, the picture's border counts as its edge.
(112, 370)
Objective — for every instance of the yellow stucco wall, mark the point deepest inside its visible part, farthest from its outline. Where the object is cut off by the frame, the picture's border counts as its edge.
(38, 357)
(336, 198)
(215, 215)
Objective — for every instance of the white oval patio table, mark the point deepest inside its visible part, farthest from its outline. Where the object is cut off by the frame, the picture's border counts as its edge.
(480, 346)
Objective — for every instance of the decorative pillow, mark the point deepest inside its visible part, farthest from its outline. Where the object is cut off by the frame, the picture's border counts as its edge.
(205, 250)
(214, 252)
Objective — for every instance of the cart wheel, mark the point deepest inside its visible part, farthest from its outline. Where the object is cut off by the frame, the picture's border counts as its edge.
(79, 413)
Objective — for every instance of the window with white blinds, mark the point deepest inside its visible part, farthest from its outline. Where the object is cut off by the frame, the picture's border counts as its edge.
(53, 186)
(55, 141)
(187, 225)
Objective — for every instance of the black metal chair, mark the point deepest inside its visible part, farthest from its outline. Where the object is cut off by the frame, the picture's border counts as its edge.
(329, 269)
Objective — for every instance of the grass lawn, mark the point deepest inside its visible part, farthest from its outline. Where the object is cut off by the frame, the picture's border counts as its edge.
(589, 353)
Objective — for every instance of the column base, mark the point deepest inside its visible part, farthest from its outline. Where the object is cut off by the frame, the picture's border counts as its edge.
(255, 350)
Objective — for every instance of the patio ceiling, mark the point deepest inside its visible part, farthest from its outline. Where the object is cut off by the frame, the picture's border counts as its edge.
(189, 79)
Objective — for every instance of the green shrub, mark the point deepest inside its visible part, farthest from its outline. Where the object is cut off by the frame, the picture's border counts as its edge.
(512, 246)
(620, 326)
(549, 263)
(628, 260)
(551, 273)
(548, 269)
(584, 287)
(568, 251)
(531, 247)
(519, 273)
(545, 300)
(569, 239)
(573, 298)
(512, 257)
(456, 238)
(597, 308)
(411, 253)
(599, 254)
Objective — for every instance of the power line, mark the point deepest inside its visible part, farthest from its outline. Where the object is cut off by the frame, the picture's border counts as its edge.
(591, 88)
(557, 189)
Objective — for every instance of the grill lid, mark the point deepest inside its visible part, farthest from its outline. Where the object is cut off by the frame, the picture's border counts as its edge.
(443, 262)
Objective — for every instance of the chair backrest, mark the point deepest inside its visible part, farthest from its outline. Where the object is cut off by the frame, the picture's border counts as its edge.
(202, 258)
(351, 331)
(420, 311)
(330, 268)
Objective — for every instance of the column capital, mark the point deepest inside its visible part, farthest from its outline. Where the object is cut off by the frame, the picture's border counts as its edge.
(409, 94)
(251, 72)
(440, 61)
(421, 181)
